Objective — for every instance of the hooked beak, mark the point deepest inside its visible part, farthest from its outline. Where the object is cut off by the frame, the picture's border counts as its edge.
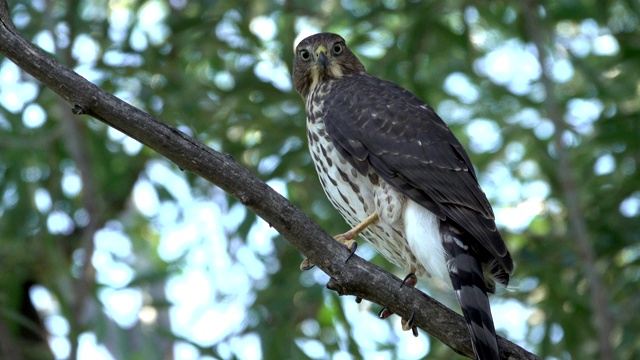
(321, 57)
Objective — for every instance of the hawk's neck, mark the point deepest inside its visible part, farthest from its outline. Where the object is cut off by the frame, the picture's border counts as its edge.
(314, 103)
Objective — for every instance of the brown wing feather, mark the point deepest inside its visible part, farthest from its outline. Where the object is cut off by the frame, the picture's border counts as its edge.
(377, 124)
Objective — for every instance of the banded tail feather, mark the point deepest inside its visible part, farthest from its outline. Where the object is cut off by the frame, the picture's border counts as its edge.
(469, 283)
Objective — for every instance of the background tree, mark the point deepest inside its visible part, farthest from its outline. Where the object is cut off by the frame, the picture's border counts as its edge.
(177, 265)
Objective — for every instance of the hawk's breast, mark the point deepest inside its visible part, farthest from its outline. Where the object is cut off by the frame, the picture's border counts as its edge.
(356, 196)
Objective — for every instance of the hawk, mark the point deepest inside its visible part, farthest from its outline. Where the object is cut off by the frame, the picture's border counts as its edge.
(396, 173)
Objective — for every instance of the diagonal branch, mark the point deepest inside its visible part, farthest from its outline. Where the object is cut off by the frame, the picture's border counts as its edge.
(355, 277)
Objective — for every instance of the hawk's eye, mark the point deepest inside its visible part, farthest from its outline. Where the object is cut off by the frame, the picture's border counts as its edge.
(305, 55)
(337, 49)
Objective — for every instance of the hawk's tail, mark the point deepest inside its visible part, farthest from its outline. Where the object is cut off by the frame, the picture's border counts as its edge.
(468, 282)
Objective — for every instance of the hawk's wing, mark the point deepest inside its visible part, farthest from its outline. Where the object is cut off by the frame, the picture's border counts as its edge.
(378, 124)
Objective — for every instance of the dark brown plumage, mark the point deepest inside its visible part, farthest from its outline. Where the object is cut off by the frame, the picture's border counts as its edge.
(378, 149)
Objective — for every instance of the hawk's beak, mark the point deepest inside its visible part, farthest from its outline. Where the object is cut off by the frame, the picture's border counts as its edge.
(321, 57)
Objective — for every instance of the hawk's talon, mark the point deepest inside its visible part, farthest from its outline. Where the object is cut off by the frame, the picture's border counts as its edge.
(414, 331)
(352, 248)
(306, 265)
(346, 239)
(408, 324)
(410, 280)
(385, 313)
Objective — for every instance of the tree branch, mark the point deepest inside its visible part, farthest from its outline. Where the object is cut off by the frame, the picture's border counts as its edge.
(355, 277)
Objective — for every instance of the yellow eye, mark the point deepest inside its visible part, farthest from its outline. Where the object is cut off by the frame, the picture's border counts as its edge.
(337, 49)
(305, 55)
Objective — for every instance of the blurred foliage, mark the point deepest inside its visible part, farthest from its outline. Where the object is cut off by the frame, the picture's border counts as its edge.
(218, 71)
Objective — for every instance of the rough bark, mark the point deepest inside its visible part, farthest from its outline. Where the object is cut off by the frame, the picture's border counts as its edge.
(354, 277)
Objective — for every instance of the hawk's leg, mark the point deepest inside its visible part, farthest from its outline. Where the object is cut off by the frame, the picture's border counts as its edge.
(407, 324)
(347, 239)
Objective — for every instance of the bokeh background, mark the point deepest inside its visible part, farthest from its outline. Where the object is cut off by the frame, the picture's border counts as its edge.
(108, 251)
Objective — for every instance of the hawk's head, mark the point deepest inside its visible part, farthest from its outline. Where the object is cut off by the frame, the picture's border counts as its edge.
(322, 57)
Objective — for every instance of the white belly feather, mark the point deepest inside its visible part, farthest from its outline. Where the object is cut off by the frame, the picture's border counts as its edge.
(409, 238)
(423, 235)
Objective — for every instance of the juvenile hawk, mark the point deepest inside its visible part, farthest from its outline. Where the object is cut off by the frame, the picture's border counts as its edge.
(395, 171)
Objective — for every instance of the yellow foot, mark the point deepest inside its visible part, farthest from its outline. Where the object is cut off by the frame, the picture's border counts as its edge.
(346, 239)
(343, 239)
(306, 264)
